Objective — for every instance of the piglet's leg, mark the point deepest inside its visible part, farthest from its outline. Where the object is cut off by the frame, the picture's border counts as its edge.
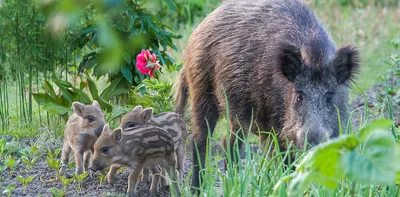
(145, 175)
(132, 180)
(66, 150)
(112, 177)
(155, 180)
(79, 160)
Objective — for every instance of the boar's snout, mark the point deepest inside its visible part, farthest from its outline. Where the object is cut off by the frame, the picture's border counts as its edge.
(92, 168)
(318, 134)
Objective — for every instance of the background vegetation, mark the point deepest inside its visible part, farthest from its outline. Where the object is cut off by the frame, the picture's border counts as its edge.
(55, 52)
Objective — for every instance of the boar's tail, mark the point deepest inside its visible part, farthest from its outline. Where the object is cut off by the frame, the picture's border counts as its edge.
(181, 94)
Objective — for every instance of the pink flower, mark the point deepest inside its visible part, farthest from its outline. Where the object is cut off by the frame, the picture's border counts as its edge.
(146, 62)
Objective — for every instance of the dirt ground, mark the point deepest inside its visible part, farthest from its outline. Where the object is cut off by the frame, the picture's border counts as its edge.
(45, 179)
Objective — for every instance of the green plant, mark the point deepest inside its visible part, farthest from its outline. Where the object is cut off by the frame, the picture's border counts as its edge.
(155, 93)
(25, 181)
(11, 163)
(52, 162)
(57, 192)
(65, 182)
(79, 179)
(3, 143)
(102, 178)
(9, 189)
(370, 156)
(29, 156)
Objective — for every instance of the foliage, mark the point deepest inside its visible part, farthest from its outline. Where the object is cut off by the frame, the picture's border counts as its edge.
(29, 156)
(11, 163)
(52, 162)
(370, 157)
(9, 189)
(65, 182)
(80, 178)
(25, 181)
(57, 192)
(155, 93)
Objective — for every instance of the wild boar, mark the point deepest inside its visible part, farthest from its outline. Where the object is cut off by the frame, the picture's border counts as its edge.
(276, 66)
(83, 128)
(136, 147)
(169, 121)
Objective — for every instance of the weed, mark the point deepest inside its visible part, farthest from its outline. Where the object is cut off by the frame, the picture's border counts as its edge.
(52, 162)
(65, 181)
(25, 181)
(11, 163)
(102, 178)
(79, 179)
(29, 156)
(57, 192)
(9, 189)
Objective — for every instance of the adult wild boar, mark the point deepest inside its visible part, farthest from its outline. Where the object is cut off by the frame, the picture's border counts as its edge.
(275, 62)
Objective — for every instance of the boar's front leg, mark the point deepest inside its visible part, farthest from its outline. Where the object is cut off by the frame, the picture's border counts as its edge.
(66, 150)
(132, 180)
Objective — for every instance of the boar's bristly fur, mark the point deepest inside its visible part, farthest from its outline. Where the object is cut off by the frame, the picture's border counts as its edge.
(274, 61)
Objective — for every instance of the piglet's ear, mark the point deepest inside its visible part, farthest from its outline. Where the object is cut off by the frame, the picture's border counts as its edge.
(96, 104)
(117, 134)
(137, 109)
(78, 108)
(106, 128)
(290, 61)
(147, 114)
(346, 64)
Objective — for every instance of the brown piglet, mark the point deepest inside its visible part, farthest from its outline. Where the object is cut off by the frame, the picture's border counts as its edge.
(83, 128)
(136, 147)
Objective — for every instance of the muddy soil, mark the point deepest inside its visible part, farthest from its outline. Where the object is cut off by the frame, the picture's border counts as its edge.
(45, 179)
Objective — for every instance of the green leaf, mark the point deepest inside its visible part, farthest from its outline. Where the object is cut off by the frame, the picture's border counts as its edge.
(50, 88)
(378, 163)
(92, 87)
(42, 98)
(127, 73)
(21, 179)
(377, 125)
(56, 109)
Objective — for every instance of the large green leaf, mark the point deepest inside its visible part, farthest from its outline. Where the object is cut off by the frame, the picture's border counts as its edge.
(372, 127)
(56, 109)
(42, 98)
(118, 86)
(49, 88)
(127, 74)
(92, 87)
(65, 88)
(378, 163)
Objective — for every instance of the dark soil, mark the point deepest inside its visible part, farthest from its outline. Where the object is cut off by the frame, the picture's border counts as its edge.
(45, 179)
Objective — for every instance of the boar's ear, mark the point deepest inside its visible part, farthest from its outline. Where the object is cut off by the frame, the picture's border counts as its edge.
(346, 64)
(137, 109)
(96, 104)
(290, 61)
(117, 134)
(147, 114)
(78, 108)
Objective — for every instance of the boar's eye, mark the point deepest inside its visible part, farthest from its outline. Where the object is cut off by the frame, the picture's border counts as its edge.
(329, 97)
(90, 119)
(105, 149)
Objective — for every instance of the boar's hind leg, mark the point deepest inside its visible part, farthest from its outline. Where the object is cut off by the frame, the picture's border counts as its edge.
(66, 150)
(204, 117)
